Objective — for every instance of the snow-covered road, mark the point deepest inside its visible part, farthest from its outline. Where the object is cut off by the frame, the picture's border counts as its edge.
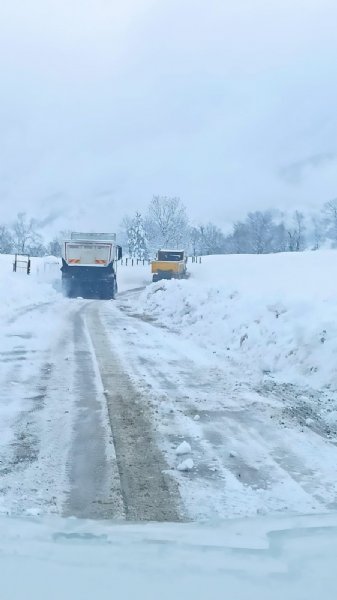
(254, 449)
(107, 412)
(64, 393)
(37, 408)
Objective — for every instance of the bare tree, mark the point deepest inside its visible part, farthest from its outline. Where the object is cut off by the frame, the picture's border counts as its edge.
(25, 234)
(211, 239)
(238, 242)
(195, 241)
(279, 239)
(260, 225)
(317, 227)
(166, 223)
(330, 219)
(295, 233)
(54, 248)
(6, 240)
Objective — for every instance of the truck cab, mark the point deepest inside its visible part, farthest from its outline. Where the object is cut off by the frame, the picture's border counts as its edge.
(169, 264)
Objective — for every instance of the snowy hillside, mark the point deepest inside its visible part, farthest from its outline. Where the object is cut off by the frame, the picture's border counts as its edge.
(271, 314)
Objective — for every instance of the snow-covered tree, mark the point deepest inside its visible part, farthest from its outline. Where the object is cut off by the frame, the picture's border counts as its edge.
(137, 241)
(238, 242)
(260, 228)
(206, 239)
(195, 241)
(25, 235)
(260, 233)
(330, 220)
(54, 248)
(295, 233)
(317, 233)
(166, 223)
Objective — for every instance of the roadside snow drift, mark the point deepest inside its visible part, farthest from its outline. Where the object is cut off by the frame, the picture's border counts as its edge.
(274, 314)
(18, 290)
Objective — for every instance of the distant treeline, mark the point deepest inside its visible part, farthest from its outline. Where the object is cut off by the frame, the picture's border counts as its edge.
(166, 223)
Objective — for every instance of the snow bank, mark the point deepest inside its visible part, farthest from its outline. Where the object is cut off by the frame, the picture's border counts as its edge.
(18, 290)
(274, 314)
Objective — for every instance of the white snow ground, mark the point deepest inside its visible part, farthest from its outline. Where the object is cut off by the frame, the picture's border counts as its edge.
(238, 362)
(272, 314)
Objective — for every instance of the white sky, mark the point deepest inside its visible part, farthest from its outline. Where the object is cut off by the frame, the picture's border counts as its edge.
(230, 105)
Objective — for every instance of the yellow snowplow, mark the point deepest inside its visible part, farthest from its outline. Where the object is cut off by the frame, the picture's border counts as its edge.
(169, 264)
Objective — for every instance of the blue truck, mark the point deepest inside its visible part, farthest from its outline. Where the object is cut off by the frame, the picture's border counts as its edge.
(89, 265)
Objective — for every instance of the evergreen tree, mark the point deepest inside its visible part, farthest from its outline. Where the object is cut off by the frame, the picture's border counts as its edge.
(137, 242)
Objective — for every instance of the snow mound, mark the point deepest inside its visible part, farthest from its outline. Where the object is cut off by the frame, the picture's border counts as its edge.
(19, 290)
(183, 448)
(186, 465)
(272, 315)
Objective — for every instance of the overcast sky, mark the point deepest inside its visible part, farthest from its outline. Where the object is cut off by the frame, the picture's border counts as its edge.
(229, 104)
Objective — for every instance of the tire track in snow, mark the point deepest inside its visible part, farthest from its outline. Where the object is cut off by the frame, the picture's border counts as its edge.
(149, 493)
(245, 460)
(93, 475)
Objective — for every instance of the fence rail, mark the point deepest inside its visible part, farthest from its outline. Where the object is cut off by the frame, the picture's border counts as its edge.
(22, 262)
(131, 262)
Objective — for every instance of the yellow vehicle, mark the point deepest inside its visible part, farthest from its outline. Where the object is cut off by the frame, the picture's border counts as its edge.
(170, 264)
